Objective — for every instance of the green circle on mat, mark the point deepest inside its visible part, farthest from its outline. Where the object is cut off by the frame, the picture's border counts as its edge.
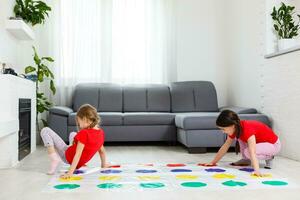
(193, 184)
(152, 185)
(109, 185)
(66, 186)
(275, 183)
(232, 183)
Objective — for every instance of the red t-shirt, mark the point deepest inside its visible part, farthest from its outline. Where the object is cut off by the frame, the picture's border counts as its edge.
(261, 132)
(92, 139)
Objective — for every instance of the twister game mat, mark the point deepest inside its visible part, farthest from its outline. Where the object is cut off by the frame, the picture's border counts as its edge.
(166, 176)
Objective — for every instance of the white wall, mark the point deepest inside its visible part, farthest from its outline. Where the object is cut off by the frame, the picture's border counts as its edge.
(271, 85)
(244, 36)
(8, 45)
(200, 52)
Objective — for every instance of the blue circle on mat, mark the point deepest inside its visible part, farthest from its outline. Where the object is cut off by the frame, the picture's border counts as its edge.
(181, 170)
(146, 171)
(78, 171)
(247, 169)
(111, 171)
(215, 170)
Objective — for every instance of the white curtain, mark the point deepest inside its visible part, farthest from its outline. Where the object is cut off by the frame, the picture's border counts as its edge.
(119, 41)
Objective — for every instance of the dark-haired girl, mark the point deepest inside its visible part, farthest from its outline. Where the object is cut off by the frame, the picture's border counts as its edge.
(255, 140)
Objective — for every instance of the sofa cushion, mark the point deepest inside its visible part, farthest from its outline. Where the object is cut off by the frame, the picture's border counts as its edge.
(134, 99)
(61, 110)
(110, 98)
(259, 117)
(150, 118)
(146, 98)
(194, 96)
(107, 119)
(239, 110)
(207, 120)
(85, 93)
(197, 120)
(158, 98)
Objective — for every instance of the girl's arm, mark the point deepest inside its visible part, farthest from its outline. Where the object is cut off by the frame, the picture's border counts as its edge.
(102, 155)
(252, 150)
(75, 161)
(222, 151)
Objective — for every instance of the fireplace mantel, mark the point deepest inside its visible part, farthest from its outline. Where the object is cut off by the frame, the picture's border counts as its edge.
(13, 88)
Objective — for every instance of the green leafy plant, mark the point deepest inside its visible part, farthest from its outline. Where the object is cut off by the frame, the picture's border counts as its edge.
(41, 72)
(284, 22)
(31, 11)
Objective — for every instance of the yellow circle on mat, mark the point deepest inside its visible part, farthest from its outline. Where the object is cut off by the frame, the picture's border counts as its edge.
(73, 178)
(109, 178)
(262, 176)
(223, 176)
(186, 177)
(148, 178)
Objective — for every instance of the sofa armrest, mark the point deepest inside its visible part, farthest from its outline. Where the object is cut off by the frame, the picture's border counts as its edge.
(61, 110)
(239, 110)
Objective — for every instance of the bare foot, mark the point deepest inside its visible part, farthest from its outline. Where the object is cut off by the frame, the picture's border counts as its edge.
(53, 166)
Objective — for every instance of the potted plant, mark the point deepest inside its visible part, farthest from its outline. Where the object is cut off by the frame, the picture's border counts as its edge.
(39, 74)
(285, 25)
(31, 11)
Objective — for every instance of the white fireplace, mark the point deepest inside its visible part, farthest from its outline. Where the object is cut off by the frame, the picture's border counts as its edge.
(12, 89)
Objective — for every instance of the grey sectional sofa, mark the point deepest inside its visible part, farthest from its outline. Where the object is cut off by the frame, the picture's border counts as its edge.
(183, 112)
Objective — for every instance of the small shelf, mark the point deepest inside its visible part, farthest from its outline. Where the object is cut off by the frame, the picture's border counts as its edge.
(19, 29)
(282, 52)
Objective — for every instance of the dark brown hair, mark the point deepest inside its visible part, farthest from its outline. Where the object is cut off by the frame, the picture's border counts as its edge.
(88, 112)
(229, 118)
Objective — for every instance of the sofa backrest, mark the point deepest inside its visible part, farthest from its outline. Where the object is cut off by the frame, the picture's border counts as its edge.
(108, 97)
(193, 96)
(85, 93)
(146, 98)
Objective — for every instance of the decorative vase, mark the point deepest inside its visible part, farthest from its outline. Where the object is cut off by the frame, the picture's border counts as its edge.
(286, 44)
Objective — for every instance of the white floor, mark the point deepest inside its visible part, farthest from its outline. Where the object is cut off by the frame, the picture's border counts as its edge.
(29, 179)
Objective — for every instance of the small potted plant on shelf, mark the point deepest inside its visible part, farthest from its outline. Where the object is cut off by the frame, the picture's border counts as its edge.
(31, 11)
(285, 25)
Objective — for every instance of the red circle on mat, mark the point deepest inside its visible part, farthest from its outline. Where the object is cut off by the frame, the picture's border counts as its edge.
(202, 164)
(176, 165)
(115, 166)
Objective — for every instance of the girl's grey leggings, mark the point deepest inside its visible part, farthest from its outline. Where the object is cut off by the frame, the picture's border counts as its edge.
(50, 138)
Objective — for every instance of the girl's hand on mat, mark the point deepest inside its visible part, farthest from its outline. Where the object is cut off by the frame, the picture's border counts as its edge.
(257, 173)
(66, 175)
(211, 164)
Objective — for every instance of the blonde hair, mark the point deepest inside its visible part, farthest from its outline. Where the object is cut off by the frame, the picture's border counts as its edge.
(88, 112)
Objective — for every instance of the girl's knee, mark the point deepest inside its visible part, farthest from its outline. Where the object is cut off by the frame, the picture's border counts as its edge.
(247, 153)
(45, 131)
(71, 136)
(45, 135)
(72, 133)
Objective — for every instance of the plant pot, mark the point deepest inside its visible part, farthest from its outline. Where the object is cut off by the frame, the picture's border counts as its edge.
(286, 44)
